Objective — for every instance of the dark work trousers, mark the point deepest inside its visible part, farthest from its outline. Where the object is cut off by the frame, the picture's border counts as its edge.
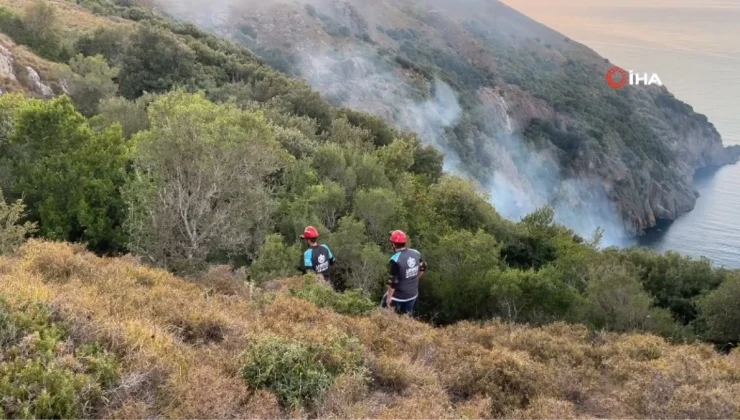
(405, 308)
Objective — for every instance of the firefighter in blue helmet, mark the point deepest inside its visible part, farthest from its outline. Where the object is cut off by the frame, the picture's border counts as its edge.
(407, 266)
(318, 257)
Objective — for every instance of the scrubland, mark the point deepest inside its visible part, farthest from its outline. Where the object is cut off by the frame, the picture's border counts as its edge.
(85, 336)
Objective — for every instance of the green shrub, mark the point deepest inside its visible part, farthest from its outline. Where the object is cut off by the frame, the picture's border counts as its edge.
(298, 373)
(275, 259)
(38, 29)
(41, 376)
(721, 313)
(155, 62)
(68, 175)
(43, 390)
(351, 302)
(12, 230)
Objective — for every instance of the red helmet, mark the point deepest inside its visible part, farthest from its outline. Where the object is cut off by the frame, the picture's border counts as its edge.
(398, 237)
(310, 233)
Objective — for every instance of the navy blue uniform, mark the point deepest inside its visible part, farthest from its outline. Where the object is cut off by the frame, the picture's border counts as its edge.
(405, 269)
(318, 259)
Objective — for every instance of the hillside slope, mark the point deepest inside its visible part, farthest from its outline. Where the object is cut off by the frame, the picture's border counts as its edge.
(527, 112)
(23, 71)
(160, 346)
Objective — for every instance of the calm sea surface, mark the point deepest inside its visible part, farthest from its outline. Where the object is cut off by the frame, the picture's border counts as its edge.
(694, 46)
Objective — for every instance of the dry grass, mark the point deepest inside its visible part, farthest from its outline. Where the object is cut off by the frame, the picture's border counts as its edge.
(23, 58)
(71, 16)
(180, 344)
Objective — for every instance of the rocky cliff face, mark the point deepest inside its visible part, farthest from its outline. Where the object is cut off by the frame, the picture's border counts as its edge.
(17, 72)
(514, 104)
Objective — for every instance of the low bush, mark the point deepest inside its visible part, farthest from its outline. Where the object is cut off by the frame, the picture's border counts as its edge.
(42, 375)
(298, 373)
(351, 302)
(12, 231)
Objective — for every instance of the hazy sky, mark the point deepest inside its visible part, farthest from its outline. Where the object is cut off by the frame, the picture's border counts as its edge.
(703, 26)
(694, 45)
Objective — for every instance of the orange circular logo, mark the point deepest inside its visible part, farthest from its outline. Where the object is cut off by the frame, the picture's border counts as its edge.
(617, 77)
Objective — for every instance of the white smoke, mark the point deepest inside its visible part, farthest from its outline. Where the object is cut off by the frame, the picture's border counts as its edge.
(522, 181)
(527, 180)
(360, 80)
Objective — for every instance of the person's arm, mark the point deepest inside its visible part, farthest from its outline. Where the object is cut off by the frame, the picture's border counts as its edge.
(422, 268)
(332, 261)
(302, 266)
(392, 282)
(305, 265)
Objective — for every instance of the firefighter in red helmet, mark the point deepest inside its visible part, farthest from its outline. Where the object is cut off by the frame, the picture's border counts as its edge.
(407, 266)
(318, 257)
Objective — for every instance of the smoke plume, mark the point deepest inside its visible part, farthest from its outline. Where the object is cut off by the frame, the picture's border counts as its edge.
(356, 76)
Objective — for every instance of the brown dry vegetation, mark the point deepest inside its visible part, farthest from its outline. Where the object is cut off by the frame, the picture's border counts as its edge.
(180, 346)
(71, 16)
(23, 58)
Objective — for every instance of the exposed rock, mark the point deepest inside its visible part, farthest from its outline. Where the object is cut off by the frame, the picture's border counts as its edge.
(6, 64)
(36, 83)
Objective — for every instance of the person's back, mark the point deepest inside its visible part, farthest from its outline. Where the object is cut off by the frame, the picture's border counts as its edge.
(407, 274)
(318, 257)
(407, 266)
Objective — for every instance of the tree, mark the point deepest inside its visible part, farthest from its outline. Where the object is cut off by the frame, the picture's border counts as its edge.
(13, 231)
(330, 163)
(200, 184)
(328, 201)
(41, 31)
(9, 103)
(275, 260)
(295, 142)
(458, 283)
(383, 134)
(343, 132)
(534, 296)
(382, 212)
(110, 42)
(89, 80)
(131, 115)
(461, 204)
(155, 61)
(721, 313)
(360, 263)
(397, 157)
(428, 162)
(618, 302)
(370, 172)
(68, 175)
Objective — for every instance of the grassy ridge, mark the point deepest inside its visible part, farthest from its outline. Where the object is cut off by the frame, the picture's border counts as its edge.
(188, 349)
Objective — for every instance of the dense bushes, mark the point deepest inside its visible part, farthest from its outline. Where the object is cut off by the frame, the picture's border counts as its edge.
(88, 81)
(720, 312)
(68, 175)
(155, 62)
(39, 29)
